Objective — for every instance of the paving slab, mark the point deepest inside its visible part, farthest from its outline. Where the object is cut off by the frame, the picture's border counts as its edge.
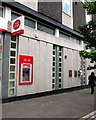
(73, 104)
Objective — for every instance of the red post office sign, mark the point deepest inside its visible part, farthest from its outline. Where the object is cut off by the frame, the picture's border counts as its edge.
(25, 69)
(17, 26)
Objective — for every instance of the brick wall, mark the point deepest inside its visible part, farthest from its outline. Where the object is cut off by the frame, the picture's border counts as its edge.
(78, 15)
(51, 9)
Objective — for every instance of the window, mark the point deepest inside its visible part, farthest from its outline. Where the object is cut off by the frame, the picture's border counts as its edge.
(76, 41)
(29, 23)
(65, 36)
(45, 28)
(66, 6)
(69, 38)
(1, 12)
(14, 15)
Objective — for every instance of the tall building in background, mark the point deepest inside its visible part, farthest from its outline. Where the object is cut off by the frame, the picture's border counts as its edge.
(39, 47)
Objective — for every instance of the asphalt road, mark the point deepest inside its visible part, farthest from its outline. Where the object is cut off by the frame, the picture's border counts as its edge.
(74, 104)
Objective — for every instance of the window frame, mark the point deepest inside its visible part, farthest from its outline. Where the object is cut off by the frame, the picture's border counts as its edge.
(47, 26)
(71, 9)
(30, 20)
(24, 19)
(2, 11)
(15, 13)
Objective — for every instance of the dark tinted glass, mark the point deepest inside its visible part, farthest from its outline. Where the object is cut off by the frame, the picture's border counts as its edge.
(14, 16)
(29, 23)
(1, 12)
(45, 28)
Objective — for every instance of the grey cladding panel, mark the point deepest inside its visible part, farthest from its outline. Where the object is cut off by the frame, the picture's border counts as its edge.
(5, 62)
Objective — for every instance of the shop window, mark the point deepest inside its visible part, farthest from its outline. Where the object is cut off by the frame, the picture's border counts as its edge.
(45, 28)
(29, 23)
(1, 12)
(66, 6)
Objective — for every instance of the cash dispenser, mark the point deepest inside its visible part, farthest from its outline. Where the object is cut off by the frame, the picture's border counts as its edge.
(25, 69)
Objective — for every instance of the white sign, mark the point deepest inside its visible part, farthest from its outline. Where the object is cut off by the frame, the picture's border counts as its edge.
(3, 24)
(17, 26)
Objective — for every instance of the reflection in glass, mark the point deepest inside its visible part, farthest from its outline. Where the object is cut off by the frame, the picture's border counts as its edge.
(13, 45)
(11, 92)
(12, 61)
(12, 68)
(13, 53)
(12, 75)
(12, 84)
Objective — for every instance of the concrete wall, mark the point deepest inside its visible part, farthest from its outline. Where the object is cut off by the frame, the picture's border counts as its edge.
(71, 63)
(42, 50)
(31, 4)
(67, 20)
(42, 65)
(5, 64)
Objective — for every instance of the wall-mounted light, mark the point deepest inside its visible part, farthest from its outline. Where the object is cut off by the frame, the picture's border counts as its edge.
(65, 57)
(36, 35)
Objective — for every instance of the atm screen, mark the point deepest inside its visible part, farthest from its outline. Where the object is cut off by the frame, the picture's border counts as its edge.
(26, 73)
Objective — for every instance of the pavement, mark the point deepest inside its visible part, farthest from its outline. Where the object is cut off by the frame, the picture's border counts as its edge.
(73, 104)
